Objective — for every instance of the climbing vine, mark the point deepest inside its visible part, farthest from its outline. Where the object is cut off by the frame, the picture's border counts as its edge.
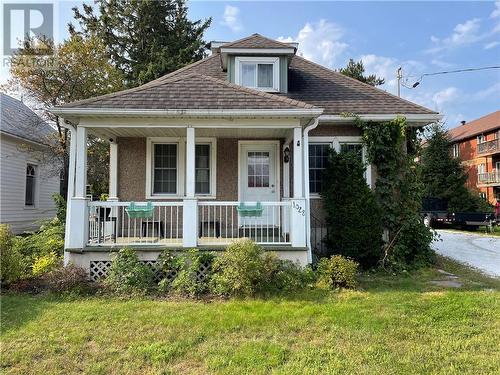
(392, 148)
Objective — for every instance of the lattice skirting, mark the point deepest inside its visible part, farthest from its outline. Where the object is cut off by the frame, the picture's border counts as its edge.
(99, 269)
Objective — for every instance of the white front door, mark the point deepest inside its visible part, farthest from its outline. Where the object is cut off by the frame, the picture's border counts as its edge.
(259, 179)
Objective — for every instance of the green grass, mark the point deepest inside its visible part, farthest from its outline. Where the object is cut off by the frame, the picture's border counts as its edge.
(391, 325)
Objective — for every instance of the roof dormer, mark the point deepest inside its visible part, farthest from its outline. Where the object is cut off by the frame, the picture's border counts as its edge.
(256, 62)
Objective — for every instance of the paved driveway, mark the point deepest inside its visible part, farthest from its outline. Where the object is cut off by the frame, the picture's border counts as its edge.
(479, 251)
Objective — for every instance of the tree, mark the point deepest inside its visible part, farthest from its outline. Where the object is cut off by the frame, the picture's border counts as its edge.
(352, 213)
(51, 74)
(356, 70)
(444, 176)
(145, 39)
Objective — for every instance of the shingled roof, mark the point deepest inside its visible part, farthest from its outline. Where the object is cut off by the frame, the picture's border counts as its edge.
(308, 82)
(190, 91)
(18, 120)
(484, 124)
(256, 41)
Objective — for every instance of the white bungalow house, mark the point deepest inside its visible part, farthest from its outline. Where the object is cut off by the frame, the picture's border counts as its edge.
(230, 146)
(27, 179)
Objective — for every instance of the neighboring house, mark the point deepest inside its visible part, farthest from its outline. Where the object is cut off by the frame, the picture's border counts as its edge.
(477, 144)
(27, 180)
(230, 146)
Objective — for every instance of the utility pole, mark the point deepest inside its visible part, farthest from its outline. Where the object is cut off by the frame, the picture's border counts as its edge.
(399, 75)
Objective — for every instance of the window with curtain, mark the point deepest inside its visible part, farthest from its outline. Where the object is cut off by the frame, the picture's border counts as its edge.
(29, 199)
(258, 73)
(202, 169)
(318, 155)
(165, 169)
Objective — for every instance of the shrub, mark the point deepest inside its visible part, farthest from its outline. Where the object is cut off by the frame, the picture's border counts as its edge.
(245, 269)
(71, 279)
(128, 275)
(189, 281)
(11, 260)
(240, 270)
(352, 214)
(45, 263)
(337, 272)
(48, 239)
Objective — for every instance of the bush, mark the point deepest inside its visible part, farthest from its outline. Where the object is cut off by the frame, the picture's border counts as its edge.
(337, 272)
(45, 263)
(245, 269)
(352, 214)
(128, 275)
(188, 280)
(11, 260)
(70, 279)
(47, 240)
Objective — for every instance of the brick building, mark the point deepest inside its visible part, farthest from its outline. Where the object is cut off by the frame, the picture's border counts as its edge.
(477, 144)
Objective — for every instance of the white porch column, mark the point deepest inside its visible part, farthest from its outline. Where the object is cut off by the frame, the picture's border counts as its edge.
(113, 171)
(78, 228)
(71, 190)
(190, 216)
(298, 213)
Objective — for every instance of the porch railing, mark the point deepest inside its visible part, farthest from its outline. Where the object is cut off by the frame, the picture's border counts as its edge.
(110, 225)
(221, 223)
(489, 178)
(488, 146)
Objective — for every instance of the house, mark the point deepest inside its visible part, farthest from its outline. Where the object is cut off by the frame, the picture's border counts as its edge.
(27, 179)
(230, 146)
(477, 144)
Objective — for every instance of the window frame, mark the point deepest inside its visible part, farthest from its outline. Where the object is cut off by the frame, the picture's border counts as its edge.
(336, 142)
(35, 185)
(456, 150)
(481, 138)
(181, 166)
(330, 144)
(275, 61)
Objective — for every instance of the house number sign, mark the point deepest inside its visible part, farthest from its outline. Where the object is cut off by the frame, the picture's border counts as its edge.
(299, 208)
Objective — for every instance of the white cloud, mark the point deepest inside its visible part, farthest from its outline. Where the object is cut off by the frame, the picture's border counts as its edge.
(496, 15)
(320, 42)
(231, 18)
(445, 96)
(491, 92)
(463, 34)
(491, 45)
(442, 64)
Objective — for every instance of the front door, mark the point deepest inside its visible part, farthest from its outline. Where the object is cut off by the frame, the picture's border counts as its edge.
(259, 179)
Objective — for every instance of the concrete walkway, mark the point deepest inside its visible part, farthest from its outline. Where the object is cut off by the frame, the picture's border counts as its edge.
(479, 251)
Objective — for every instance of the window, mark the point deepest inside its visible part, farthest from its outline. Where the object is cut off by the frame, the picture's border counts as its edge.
(356, 148)
(29, 199)
(165, 169)
(481, 168)
(257, 73)
(258, 169)
(318, 154)
(202, 169)
(456, 150)
(481, 139)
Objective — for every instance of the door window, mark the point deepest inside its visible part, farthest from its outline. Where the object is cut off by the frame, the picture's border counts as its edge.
(258, 169)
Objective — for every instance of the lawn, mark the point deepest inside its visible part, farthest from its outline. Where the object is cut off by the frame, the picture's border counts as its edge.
(391, 325)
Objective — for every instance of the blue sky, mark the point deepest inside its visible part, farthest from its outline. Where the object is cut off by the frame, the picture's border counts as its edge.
(422, 37)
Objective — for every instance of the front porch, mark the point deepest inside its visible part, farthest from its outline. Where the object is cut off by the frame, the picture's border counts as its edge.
(206, 185)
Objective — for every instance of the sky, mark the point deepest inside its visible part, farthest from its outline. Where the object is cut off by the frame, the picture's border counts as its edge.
(422, 37)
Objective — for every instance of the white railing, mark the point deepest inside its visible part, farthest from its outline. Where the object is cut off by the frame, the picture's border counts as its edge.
(489, 177)
(221, 222)
(488, 146)
(111, 225)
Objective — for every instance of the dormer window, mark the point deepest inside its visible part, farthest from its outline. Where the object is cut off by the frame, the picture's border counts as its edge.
(258, 73)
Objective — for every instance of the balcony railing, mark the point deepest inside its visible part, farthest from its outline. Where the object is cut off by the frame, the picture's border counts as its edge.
(489, 178)
(488, 147)
(219, 223)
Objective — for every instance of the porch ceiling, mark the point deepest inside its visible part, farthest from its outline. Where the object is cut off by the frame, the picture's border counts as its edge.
(114, 132)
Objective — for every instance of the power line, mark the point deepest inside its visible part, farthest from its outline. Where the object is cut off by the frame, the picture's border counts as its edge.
(452, 71)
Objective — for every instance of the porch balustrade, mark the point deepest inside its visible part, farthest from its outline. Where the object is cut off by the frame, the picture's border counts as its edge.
(113, 224)
(489, 147)
(489, 178)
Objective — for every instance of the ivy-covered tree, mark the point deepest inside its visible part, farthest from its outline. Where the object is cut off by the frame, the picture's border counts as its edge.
(146, 39)
(356, 70)
(353, 215)
(444, 176)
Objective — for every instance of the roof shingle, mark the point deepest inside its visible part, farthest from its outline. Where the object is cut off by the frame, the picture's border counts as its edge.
(481, 125)
(256, 41)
